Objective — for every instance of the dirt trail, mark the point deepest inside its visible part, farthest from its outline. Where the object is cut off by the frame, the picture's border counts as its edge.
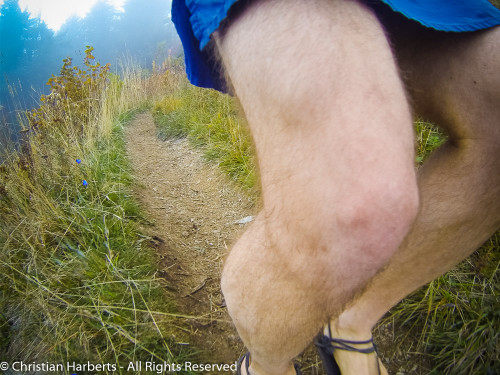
(194, 209)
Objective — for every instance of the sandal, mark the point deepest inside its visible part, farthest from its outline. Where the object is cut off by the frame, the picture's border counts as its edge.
(327, 345)
(246, 358)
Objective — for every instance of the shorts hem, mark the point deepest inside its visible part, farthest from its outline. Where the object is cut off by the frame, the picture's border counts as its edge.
(202, 29)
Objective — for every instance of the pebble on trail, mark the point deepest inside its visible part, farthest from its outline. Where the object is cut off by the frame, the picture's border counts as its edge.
(245, 220)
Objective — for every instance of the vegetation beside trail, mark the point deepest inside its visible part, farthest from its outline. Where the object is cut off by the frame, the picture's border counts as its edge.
(456, 318)
(210, 120)
(77, 279)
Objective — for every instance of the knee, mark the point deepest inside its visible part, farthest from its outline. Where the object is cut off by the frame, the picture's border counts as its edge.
(360, 229)
(378, 219)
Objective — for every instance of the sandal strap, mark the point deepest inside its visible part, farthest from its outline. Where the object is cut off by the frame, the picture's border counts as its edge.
(348, 345)
(247, 363)
(246, 358)
(326, 345)
(330, 344)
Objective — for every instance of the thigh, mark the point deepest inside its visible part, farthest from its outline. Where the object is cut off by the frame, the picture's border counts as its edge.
(317, 80)
(320, 89)
(453, 79)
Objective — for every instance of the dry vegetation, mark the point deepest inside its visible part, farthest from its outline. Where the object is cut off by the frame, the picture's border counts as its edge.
(77, 279)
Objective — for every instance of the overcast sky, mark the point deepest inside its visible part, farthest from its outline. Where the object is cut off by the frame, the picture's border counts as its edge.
(55, 12)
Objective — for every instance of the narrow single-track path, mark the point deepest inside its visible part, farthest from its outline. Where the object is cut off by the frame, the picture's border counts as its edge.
(194, 210)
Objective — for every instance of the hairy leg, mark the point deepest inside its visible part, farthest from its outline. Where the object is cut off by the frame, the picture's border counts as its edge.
(319, 87)
(455, 82)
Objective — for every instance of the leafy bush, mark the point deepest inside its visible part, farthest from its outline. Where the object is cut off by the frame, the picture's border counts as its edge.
(74, 95)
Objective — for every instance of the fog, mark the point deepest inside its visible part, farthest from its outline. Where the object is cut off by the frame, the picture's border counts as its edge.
(30, 52)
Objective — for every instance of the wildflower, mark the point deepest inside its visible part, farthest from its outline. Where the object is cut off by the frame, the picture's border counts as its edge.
(85, 183)
(78, 161)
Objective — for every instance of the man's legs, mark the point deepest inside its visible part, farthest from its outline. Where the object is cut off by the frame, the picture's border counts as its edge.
(320, 90)
(454, 80)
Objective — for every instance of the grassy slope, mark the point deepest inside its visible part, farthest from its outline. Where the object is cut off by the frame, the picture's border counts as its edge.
(77, 279)
(456, 317)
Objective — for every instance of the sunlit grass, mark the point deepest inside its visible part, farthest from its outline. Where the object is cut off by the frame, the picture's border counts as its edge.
(210, 120)
(428, 138)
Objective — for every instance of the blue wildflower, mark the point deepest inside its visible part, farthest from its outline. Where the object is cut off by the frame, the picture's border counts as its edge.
(85, 183)
(78, 161)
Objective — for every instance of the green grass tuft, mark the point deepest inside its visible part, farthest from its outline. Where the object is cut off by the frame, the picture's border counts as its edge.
(456, 318)
(429, 138)
(210, 120)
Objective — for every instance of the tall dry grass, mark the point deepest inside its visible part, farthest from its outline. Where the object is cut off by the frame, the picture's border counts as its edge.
(78, 281)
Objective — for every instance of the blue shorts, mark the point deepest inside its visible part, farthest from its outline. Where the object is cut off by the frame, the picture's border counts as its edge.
(196, 20)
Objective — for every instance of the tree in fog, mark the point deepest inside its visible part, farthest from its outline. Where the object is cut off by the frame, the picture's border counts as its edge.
(145, 29)
(24, 48)
(14, 26)
(40, 47)
(100, 31)
(71, 38)
(30, 52)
